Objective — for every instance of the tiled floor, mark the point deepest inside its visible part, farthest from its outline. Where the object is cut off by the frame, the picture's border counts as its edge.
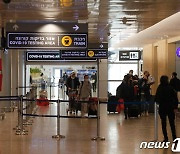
(121, 136)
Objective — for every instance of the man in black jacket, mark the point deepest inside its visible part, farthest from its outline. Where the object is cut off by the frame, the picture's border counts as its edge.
(175, 82)
(72, 84)
(126, 92)
(168, 103)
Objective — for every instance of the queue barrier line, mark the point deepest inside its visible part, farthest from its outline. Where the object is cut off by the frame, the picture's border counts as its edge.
(142, 102)
(9, 97)
(61, 116)
(61, 101)
(26, 87)
(21, 131)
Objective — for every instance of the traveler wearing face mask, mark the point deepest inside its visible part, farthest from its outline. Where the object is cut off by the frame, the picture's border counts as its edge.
(72, 84)
(84, 94)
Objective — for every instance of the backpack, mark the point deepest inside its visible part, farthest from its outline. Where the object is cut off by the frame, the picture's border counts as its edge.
(118, 91)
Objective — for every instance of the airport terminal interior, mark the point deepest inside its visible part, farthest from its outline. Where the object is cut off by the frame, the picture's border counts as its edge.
(61, 63)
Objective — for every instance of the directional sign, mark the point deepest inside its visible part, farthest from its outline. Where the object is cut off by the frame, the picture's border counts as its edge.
(71, 54)
(47, 35)
(129, 55)
(98, 50)
(15, 27)
(96, 53)
(42, 27)
(46, 40)
(76, 27)
(43, 56)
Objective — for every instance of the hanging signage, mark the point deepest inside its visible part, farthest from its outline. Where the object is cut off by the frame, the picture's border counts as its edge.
(47, 35)
(97, 53)
(43, 56)
(129, 55)
(98, 50)
(71, 54)
(38, 40)
(178, 52)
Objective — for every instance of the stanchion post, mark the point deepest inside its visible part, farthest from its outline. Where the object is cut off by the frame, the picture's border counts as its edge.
(58, 136)
(19, 116)
(155, 121)
(50, 91)
(98, 125)
(21, 130)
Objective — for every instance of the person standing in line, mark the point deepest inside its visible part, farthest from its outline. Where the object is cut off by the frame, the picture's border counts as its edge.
(94, 81)
(144, 85)
(126, 91)
(43, 82)
(84, 93)
(65, 76)
(168, 103)
(175, 82)
(72, 84)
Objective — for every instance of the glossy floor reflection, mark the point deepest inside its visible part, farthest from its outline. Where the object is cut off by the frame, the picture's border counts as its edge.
(122, 136)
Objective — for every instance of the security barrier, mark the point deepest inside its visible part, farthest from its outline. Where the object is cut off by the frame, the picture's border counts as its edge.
(29, 110)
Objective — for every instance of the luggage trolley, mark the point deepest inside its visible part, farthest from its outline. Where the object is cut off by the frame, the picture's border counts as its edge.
(74, 106)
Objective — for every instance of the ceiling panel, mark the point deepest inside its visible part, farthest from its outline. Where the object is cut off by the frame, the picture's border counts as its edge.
(109, 20)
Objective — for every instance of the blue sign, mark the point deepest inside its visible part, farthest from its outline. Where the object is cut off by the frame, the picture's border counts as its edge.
(178, 52)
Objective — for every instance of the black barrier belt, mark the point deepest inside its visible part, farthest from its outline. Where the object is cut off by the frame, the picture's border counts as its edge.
(39, 100)
(9, 96)
(9, 99)
(61, 101)
(25, 87)
(75, 117)
(109, 103)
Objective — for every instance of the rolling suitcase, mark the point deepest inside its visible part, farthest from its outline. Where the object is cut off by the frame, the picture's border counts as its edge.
(133, 110)
(92, 109)
(112, 103)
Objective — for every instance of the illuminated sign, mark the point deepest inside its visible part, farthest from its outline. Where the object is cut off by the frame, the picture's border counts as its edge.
(47, 35)
(98, 50)
(39, 40)
(68, 54)
(43, 56)
(97, 53)
(129, 55)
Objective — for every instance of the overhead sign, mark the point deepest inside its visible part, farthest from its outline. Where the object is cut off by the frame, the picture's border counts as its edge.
(178, 52)
(129, 55)
(98, 50)
(56, 55)
(96, 53)
(43, 56)
(47, 35)
(39, 40)
(71, 54)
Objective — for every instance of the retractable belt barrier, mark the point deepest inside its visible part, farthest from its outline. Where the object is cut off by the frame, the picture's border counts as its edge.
(21, 131)
(20, 127)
